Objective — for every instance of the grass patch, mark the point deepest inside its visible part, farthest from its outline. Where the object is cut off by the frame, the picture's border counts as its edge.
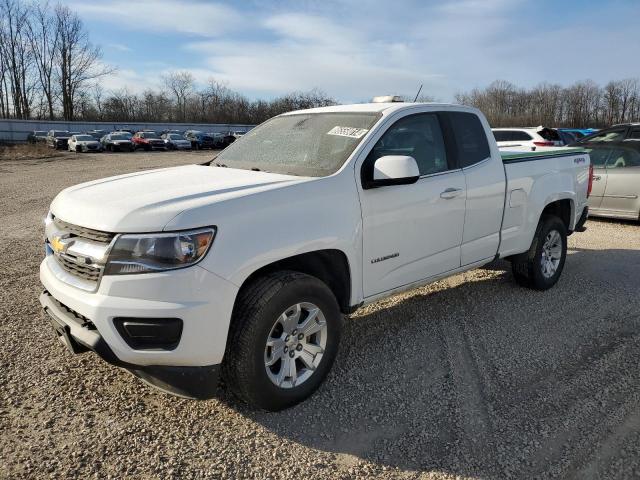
(27, 151)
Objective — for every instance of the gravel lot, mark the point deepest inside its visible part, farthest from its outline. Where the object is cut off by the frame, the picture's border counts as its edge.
(469, 377)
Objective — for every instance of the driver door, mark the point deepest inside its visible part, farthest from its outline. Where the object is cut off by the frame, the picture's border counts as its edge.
(412, 232)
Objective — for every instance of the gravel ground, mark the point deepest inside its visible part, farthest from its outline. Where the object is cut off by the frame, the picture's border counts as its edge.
(470, 377)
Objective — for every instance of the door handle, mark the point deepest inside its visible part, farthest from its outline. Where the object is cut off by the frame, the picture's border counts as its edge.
(450, 193)
(597, 177)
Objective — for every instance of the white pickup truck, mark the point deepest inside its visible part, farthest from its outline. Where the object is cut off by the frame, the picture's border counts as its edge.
(245, 266)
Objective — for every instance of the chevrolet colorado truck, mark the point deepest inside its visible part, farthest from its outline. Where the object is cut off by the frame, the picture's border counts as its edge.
(246, 266)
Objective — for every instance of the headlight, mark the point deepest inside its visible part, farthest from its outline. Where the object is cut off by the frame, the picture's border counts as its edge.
(156, 252)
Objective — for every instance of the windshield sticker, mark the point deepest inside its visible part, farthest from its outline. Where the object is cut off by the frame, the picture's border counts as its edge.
(348, 132)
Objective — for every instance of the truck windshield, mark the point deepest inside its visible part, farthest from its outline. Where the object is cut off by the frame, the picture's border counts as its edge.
(306, 144)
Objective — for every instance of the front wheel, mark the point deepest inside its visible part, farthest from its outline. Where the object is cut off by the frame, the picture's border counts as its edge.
(283, 340)
(541, 267)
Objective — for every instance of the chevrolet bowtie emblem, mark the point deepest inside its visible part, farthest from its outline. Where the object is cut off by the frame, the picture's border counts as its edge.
(60, 244)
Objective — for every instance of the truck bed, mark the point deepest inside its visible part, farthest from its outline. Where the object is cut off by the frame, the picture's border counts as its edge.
(535, 179)
(514, 156)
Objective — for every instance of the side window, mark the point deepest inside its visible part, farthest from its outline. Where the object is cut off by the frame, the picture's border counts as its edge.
(635, 134)
(610, 136)
(599, 156)
(521, 136)
(502, 135)
(418, 136)
(624, 157)
(470, 138)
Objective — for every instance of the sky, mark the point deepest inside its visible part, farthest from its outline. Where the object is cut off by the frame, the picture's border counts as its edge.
(354, 50)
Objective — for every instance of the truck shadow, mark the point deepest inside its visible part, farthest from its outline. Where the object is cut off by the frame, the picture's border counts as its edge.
(477, 376)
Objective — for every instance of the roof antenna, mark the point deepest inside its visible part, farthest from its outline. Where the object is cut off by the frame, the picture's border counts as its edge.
(419, 90)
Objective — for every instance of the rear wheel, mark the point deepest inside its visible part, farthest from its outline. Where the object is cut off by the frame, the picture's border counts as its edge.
(541, 267)
(284, 338)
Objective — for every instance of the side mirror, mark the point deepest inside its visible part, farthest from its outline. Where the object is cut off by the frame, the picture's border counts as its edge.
(393, 170)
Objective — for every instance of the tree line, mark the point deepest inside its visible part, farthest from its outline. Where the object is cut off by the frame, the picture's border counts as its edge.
(581, 105)
(46, 60)
(49, 69)
(178, 100)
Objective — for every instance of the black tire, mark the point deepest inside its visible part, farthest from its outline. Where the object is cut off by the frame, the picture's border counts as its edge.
(257, 308)
(527, 267)
(132, 149)
(78, 149)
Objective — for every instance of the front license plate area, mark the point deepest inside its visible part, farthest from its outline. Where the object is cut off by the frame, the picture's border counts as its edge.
(63, 332)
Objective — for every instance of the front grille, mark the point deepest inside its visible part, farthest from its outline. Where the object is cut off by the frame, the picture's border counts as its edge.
(83, 271)
(88, 233)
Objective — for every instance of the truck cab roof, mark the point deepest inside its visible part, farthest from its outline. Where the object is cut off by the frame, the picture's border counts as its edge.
(385, 108)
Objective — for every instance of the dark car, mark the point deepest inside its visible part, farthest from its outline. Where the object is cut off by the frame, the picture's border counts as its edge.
(148, 141)
(567, 137)
(126, 133)
(200, 140)
(97, 134)
(117, 142)
(58, 138)
(616, 133)
(37, 136)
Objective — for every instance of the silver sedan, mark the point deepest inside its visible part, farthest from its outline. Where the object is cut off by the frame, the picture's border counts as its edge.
(616, 179)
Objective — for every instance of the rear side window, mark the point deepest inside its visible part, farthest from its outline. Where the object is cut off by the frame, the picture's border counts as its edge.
(624, 157)
(598, 156)
(502, 135)
(520, 136)
(635, 134)
(470, 138)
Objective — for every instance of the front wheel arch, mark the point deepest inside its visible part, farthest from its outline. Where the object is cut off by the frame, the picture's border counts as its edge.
(330, 266)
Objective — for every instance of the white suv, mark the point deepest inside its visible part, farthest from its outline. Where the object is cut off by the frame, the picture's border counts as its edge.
(534, 138)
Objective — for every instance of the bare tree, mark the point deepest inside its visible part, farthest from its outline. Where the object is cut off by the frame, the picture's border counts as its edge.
(16, 54)
(78, 61)
(181, 84)
(43, 38)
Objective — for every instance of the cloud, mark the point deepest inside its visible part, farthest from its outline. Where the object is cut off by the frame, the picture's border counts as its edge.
(118, 46)
(268, 49)
(187, 17)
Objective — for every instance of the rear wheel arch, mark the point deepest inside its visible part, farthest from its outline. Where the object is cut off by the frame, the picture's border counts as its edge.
(564, 209)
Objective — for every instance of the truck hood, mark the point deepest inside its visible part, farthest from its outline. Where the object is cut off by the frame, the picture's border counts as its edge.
(147, 201)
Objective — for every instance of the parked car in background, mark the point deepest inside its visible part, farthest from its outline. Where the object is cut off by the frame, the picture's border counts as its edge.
(175, 141)
(578, 133)
(200, 140)
(117, 142)
(126, 133)
(616, 179)
(57, 138)
(616, 133)
(37, 136)
(220, 140)
(83, 143)
(148, 141)
(97, 134)
(533, 138)
(567, 137)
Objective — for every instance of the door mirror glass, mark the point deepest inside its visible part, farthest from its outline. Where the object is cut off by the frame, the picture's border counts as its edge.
(394, 170)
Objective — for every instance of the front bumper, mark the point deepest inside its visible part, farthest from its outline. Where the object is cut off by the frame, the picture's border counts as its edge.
(80, 335)
(201, 299)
